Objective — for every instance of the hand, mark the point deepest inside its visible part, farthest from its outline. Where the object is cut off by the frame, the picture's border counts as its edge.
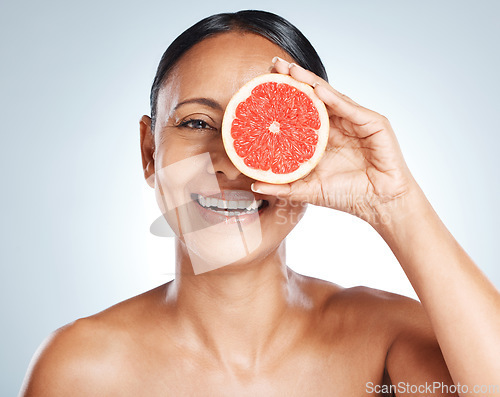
(362, 171)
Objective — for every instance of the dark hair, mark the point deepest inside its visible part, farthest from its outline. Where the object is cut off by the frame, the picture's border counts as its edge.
(271, 26)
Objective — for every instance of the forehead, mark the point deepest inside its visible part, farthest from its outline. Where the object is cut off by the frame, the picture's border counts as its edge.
(217, 67)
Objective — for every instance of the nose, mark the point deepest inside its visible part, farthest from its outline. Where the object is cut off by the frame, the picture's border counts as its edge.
(221, 162)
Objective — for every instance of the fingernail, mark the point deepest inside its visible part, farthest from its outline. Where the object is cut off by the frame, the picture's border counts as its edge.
(291, 64)
(275, 59)
(315, 84)
(254, 189)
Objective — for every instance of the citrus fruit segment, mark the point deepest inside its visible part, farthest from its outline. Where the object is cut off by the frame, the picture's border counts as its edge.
(275, 129)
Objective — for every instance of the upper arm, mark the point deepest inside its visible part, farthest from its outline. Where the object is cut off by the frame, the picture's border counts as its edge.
(414, 358)
(65, 364)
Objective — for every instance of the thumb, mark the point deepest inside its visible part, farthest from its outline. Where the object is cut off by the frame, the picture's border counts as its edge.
(298, 190)
(301, 191)
(271, 189)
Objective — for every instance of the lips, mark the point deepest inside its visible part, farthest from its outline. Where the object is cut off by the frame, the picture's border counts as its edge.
(228, 194)
(229, 202)
(228, 206)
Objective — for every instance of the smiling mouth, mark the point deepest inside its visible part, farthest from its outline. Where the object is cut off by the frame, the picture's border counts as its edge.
(229, 207)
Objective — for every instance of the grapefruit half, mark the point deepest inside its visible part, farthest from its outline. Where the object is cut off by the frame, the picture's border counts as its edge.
(275, 129)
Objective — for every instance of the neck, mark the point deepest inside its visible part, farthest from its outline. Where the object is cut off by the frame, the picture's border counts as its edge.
(234, 311)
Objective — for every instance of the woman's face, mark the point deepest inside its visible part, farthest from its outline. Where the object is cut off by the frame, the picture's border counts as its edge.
(195, 182)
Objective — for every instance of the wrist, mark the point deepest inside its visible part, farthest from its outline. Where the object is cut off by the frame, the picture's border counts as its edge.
(403, 211)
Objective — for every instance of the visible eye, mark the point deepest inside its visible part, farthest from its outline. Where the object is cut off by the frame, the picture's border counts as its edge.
(196, 124)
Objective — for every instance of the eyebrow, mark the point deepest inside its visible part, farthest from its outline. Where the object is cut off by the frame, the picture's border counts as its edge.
(202, 101)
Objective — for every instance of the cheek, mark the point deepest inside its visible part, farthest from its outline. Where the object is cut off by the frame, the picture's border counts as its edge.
(173, 148)
(179, 161)
(180, 171)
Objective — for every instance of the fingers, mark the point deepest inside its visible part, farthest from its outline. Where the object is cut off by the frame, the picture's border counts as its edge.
(337, 104)
(296, 191)
(304, 75)
(270, 189)
(281, 65)
(297, 72)
(352, 112)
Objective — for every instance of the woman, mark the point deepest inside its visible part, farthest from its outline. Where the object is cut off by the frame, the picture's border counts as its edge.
(236, 320)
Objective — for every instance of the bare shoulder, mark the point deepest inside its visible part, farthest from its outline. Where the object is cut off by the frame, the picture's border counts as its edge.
(401, 325)
(382, 307)
(68, 361)
(390, 315)
(369, 303)
(85, 357)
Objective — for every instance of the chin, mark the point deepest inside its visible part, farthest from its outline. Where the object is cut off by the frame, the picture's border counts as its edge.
(232, 245)
(228, 226)
(222, 244)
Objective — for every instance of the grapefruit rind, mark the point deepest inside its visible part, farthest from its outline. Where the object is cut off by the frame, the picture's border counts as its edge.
(269, 176)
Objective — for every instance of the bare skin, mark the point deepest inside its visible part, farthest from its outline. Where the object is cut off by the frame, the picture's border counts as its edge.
(256, 328)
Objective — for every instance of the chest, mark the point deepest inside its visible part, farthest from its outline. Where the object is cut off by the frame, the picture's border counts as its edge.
(309, 372)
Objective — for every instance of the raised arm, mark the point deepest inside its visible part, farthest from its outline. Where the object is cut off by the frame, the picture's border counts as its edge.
(363, 172)
(462, 304)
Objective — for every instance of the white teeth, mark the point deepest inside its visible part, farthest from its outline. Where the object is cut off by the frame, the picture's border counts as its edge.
(254, 205)
(211, 202)
(227, 207)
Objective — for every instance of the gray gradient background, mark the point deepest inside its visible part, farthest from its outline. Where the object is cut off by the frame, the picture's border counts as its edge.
(75, 79)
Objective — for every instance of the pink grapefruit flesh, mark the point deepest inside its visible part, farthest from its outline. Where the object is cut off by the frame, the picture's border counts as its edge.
(275, 129)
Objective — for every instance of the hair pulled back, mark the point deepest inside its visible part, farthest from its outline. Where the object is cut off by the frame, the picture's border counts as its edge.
(266, 24)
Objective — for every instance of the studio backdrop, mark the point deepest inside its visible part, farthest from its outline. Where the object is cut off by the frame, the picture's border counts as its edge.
(76, 210)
